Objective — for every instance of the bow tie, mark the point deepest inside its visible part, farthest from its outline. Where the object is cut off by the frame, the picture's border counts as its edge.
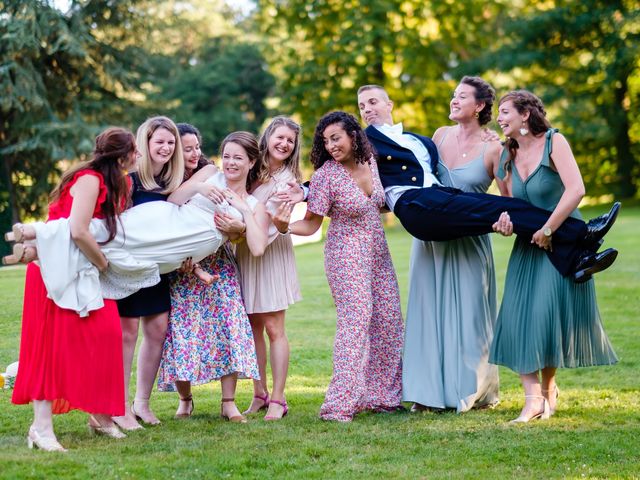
(393, 129)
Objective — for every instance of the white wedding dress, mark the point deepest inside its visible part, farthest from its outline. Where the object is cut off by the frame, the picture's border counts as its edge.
(152, 238)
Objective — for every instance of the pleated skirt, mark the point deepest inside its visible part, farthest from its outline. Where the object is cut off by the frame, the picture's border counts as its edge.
(547, 320)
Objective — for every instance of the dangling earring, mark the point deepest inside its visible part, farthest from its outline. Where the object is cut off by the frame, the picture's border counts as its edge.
(355, 146)
(476, 115)
(523, 129)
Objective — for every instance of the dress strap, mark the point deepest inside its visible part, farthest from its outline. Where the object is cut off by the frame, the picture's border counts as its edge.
(501, 173)
(444, 135)
(548, 146)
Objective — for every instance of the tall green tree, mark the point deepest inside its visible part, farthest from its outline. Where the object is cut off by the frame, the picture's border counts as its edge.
(583, 59)
(63, 76)
(321, 51)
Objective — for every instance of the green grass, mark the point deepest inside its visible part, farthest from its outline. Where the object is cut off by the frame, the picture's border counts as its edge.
(595, 433)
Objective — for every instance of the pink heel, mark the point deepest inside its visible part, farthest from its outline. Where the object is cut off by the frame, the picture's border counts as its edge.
(284, 405)
(264, 406)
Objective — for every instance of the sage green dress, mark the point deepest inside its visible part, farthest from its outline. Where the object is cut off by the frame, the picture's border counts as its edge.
(451, 312)
(545, 320)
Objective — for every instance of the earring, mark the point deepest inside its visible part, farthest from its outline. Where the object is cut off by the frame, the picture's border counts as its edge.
(355, 146)
(476, 115)
(523, 129)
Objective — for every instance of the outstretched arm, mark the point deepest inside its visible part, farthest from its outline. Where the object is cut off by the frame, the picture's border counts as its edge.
(196, 184)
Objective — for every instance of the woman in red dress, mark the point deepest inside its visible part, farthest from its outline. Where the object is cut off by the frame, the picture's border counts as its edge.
(68, 362)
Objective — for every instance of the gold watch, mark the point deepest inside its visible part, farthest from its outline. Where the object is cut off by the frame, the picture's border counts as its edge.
(547, 231)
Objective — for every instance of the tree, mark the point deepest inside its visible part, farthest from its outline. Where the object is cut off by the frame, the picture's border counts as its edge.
(63, 77)
(583, 59)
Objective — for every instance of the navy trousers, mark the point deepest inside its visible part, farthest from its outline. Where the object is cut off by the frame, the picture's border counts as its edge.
(443, 213)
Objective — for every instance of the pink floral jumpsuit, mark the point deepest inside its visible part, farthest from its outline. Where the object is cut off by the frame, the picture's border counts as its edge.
(367, 351)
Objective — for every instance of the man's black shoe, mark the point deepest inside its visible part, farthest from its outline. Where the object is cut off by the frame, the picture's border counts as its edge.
(599, 226)
(594, 263)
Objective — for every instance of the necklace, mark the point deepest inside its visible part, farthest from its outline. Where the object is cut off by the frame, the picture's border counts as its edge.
(463, 152)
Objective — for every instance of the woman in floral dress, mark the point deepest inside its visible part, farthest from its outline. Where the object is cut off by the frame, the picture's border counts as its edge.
(368, 343)
(209, 336)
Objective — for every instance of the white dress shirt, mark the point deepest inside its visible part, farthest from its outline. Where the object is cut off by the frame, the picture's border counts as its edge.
(408, 141)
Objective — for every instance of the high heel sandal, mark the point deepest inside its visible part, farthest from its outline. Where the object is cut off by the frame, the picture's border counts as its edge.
(192, 406)
(111, 431)
(150, 420)
(541, 415)
(546, 394)
(264, 406)
(35, 440)
(21, 254)
(16, 234)
(235, 418)
(283, 404)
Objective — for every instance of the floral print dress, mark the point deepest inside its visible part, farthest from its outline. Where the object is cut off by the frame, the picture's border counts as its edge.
(367, 349)
(209, 335)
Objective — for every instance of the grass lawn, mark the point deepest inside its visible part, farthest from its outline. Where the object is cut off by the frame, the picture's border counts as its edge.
(594, 434)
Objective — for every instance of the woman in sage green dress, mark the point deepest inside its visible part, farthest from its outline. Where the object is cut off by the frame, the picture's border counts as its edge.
(451, 310)
(546, 321)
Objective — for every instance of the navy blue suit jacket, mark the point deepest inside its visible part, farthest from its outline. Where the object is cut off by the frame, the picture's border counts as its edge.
(398, 165)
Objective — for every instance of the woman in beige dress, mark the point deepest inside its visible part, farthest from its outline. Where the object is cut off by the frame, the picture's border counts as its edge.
(270, 282)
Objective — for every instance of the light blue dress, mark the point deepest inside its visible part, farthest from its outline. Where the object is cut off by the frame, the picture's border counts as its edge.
(451, 312)
(545, 320)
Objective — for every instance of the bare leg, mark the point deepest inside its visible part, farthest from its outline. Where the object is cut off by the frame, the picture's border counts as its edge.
(154, 328)
(185, 403)
(535, 405)
(129, 338)
(228, 384)
(204, 276)
(549, 387)
(279, 357)
(41, 433)
(259, 386)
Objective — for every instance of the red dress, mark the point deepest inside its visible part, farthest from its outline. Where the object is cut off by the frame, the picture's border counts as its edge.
(74, 362)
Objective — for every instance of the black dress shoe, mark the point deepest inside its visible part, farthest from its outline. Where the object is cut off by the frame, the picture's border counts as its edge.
(594, 263)
(599, 226)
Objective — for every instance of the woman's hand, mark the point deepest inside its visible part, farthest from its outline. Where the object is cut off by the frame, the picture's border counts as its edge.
(237, 202)
(228, 224)
(541, 240)
(282, 217)
(211, 192)
(293, 194)
(504, 226)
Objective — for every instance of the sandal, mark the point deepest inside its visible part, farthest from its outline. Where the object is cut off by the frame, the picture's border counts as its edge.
(264, 406)
(21, 254)
(151, 418)
(233, 419)
(16, 234)
(547, 394)
(541, 415)
(185, 415)
(284, 405)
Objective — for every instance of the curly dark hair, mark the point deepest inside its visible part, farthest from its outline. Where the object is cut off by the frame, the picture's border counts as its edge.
(484, 92)
(362, 149)
(537, 123)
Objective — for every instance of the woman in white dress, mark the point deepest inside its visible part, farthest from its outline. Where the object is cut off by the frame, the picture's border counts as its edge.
(152, 238)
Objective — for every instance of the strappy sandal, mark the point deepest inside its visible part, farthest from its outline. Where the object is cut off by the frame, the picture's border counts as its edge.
(16, 234)
(283, 404)
(541, 415)
(264, 406)
(235, 418)
(21, 254)
(185, 415)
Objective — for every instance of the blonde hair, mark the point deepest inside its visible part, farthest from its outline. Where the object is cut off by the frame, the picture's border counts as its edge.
(293, 162)
(172, 173)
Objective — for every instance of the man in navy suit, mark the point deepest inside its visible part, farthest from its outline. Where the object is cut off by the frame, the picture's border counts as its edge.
(431, 212)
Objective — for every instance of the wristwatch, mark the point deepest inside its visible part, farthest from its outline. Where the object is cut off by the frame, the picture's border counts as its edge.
(547, 231)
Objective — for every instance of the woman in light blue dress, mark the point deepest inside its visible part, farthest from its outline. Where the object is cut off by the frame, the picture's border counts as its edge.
(451, 310)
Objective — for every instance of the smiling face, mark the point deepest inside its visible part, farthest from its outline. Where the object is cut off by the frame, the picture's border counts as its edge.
(162, 144)
(235, 162)
(510, 120)
(190, 151)
(338, 143)
(281, 144)
(463, 105)
(375, 107)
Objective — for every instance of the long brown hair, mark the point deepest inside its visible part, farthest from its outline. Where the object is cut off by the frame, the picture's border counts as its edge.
(110, 155)
(248, 141)
(537, 123)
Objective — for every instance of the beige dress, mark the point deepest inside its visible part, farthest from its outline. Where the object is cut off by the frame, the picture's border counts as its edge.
(270, 282)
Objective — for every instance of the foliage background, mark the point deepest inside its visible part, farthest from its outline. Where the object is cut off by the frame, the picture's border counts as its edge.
(70, 68)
